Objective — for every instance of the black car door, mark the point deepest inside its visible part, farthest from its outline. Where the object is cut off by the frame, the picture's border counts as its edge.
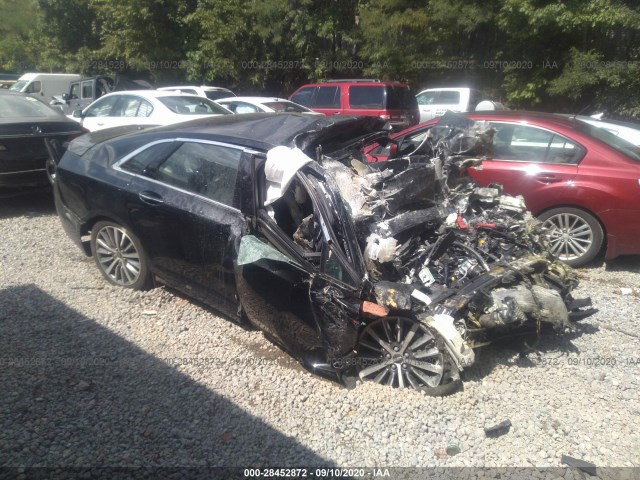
(184, 207)
(298, 289)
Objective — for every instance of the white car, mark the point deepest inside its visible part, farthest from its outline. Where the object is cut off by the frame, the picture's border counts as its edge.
(263, 104)
(212, 93)
(628, 131)
(145, 107)
(433, 102)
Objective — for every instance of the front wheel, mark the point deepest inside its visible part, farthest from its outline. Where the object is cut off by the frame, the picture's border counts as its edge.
(119, 255)
(575, 236)
(403, 353)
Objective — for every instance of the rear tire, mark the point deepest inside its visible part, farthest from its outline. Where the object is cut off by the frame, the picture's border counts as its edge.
(575, 236)
(119, 256)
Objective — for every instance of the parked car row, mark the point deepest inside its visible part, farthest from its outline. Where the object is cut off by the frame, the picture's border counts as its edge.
(580, 180)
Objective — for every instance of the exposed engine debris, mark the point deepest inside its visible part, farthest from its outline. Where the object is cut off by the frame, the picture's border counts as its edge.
(439, 247)
(409, 264)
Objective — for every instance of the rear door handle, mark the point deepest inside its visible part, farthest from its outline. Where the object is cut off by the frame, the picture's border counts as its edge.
(548, 178)
(151, 198)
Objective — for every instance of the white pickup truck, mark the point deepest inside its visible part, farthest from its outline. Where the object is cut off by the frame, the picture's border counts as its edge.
(433, 102)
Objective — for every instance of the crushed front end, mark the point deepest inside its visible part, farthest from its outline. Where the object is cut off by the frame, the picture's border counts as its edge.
(455, 265)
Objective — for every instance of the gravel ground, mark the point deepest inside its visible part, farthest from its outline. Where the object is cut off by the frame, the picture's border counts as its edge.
(94, 375)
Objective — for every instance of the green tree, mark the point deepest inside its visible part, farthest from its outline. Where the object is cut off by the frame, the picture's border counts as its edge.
(18, 47)
(569, 44)
(143, 35)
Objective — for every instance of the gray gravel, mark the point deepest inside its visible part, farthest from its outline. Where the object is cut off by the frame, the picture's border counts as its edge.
(91, 374)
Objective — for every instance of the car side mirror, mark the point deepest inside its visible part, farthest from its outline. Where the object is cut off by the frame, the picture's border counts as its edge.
(65, 97)
(77, 114)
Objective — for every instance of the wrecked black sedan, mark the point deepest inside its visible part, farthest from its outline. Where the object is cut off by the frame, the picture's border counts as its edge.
(392, 275)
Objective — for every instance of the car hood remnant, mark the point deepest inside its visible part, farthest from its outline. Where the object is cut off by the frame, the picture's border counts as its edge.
(415, 265)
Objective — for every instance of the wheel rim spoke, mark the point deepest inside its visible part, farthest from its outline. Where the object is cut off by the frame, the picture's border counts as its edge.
(431, 381)
(426, 337)
(380, 375)
(407, 340)
(381, 342)
(429, 367)
(392, 377)
(400, 376)
(387, 331)
(375, 368)
(412, 380)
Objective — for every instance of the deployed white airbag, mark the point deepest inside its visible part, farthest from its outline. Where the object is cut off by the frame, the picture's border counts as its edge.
(280, 168)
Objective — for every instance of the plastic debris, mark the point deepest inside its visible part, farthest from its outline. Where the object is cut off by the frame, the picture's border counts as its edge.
(498, 430)
(587, 467)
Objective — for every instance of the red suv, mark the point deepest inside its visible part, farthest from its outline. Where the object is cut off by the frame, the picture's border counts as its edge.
(392, 101)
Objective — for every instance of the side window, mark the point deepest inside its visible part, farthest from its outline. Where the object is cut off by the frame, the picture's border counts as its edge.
(87, 89)
(34, 87)
(532, 144)
(205, 169)
(145, 109)
(327, 97)
(448, 98)
(426, 98)
(102, 87)
(563, 150)
(303, 97)
(130, 106)
(241, 107)
(75, 91)
(102, 108)
(139, 162)
(367, 97)
(231, 106)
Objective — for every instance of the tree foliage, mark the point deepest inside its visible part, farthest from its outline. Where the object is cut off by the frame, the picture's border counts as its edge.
(531, 53)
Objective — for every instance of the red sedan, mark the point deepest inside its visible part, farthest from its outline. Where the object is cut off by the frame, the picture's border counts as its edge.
(582, 181)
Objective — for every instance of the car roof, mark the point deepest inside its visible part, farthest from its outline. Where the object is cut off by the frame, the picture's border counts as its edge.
(513, 115)
(524, 116)
(448, 89)
(261, 131)
(259, 100)
(152, 94)
(355, 82)
(205, 88)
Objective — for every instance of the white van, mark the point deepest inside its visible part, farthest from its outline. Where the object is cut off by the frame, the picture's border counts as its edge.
(44, 85)
(433, 102)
